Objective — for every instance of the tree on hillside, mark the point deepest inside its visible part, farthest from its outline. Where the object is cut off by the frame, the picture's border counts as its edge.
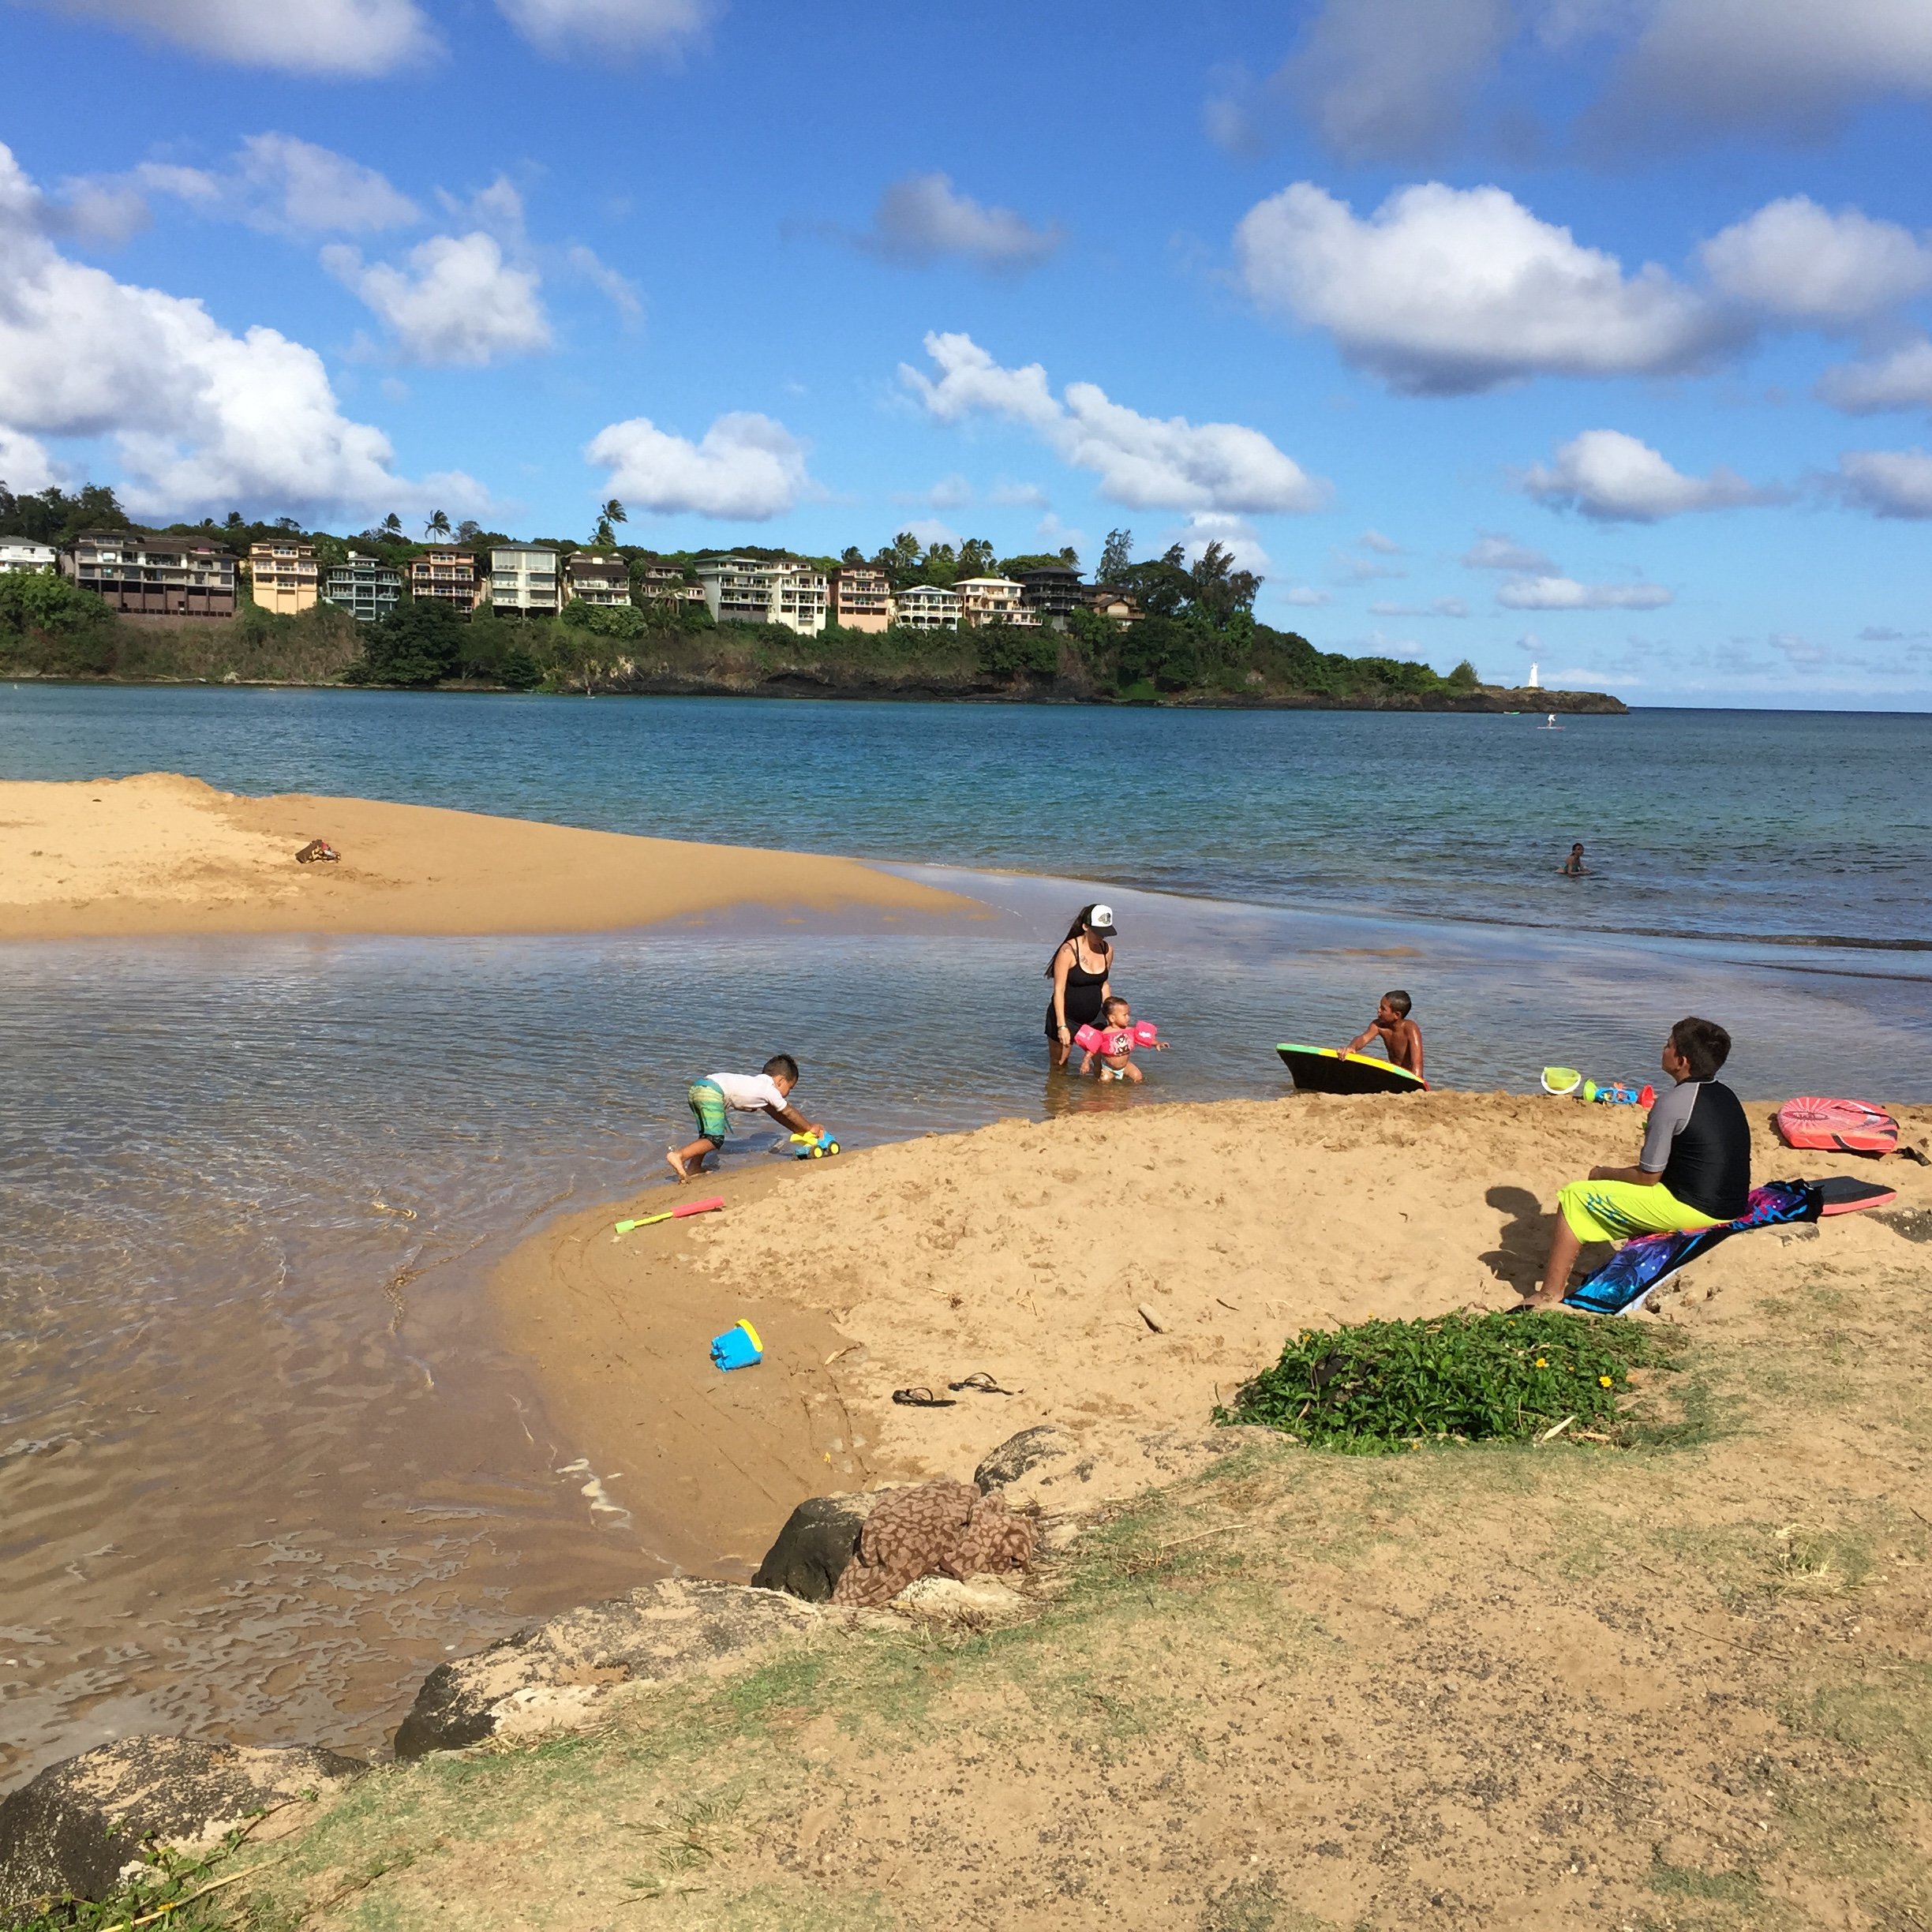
(1116, 556)
(1219, 589)
(438, 526)
(852, 557)
(392, 525)
(51, 516)
(612, 515)
(976, 557)
(900, 559)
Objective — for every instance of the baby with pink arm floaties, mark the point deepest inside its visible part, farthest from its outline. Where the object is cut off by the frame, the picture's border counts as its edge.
(1112, 1042)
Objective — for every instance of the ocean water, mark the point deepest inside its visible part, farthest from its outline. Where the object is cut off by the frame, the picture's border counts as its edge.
(262, 1461)
(1775, 826)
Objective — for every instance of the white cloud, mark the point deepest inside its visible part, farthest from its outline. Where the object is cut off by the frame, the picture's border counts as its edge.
(1144, 462)
(924, 219)
(1395, 80)
(1017, 496)
(350, 39)
(283, 184)
(930, 531)
(1496, 550)
(1441, 607)
(1446, 291)
(24, 465)
(620, 290)
(300, 187)
(1890, 483)
(1383, 546)
(1614, 478)
(1901, 379)
(458, 300)
(1794, 258)
(201, 418)
(1787, 67)
(747, 467)
(563, 28)
(1305, 597)
(1565, 593)
(1382, 79)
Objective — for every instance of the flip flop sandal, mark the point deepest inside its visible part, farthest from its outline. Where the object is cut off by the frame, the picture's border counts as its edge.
(921, 1398)
(982, 1384)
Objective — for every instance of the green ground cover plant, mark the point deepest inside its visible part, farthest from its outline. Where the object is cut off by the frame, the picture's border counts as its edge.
(1377, 1385)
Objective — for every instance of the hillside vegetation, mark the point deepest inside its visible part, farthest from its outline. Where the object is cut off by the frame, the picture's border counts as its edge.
(1197, 642)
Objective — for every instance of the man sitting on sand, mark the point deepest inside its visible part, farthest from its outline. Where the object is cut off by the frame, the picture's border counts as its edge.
(718, 1095)
(1401, 1038)
(1694, 1170)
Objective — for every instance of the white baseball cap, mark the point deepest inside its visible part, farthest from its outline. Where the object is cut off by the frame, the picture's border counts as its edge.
(1100, 920)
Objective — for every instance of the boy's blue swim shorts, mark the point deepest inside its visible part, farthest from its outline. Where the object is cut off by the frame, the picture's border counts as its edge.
(707, 1106)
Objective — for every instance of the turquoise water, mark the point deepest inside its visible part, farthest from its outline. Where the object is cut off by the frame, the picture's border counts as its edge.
(1770, 825)
(261, 1459)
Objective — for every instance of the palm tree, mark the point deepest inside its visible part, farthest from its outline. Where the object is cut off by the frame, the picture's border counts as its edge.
(438, 526)
(611, 513)
(392, 525)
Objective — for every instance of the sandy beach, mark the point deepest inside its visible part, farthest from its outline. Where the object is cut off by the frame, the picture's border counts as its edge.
(160, 854)
(1038, 1252)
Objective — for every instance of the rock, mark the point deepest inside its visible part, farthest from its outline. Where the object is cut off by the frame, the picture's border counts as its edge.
(79, 1824)
(1018, 1455)
(554, 1675)
(814, 1546)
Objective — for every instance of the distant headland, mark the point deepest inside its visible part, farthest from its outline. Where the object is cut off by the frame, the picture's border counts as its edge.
(86, 594)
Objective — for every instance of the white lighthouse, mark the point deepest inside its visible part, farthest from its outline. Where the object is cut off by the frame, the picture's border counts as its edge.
(1532, 685)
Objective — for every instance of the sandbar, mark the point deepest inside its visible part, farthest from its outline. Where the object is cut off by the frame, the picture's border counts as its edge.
(162, 854)
(1029, 1250)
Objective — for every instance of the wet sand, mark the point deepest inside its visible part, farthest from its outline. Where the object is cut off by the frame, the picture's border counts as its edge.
(1030, 1251)
(163, 854)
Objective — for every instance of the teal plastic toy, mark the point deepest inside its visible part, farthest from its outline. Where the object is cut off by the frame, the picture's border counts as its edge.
(813, 1147)
(738, 1347)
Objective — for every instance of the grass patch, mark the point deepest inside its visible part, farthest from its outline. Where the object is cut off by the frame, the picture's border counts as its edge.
(1376, 1385)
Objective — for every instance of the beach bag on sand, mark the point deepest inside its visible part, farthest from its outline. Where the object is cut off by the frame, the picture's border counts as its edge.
(1843, 1126)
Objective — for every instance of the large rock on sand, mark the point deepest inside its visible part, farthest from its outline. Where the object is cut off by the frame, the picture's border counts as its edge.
(819, 1539)
(554, 1677)
(80, 1823)
(1020, 1455)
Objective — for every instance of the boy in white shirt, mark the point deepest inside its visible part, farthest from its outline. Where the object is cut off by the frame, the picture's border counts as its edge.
(718, 1095)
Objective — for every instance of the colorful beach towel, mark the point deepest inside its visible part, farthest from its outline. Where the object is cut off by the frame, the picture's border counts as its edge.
(1640, 1267)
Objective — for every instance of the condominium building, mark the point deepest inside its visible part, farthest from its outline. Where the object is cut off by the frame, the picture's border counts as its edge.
(1053, 593)
(443, 575)
(597, 577)
(992, 601)
(283, 576)
(18, 554)
(926, 606)
(751, 590)
(1104, 600)
(366, 588)
(145, 576)
(663, 583)
(524, 581)
(862, 600)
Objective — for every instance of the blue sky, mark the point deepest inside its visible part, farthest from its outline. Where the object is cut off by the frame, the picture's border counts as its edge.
(1591, 332)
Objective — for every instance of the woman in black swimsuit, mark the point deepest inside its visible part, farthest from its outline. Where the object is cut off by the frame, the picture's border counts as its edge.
(1079, 970)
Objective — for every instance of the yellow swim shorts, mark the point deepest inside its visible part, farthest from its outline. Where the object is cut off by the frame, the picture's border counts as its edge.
(1615, 1211)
